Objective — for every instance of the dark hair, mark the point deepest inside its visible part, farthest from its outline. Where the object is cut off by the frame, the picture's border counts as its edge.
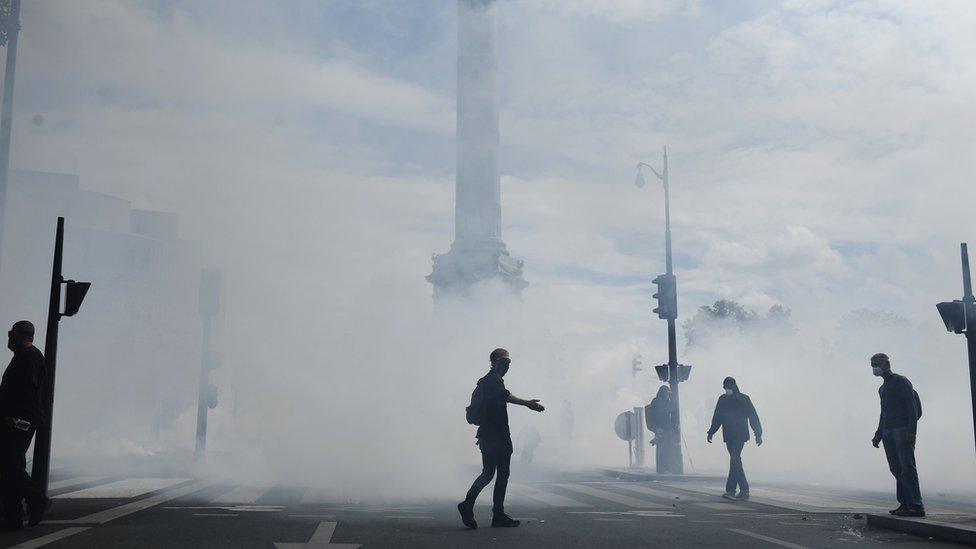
(881, 358)
(729, 383)
(497, 353)
(24, 328)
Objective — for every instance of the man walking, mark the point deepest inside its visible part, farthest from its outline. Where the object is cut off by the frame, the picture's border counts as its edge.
(21, 410)
(734, 412)
(897, 426)
(489, 411)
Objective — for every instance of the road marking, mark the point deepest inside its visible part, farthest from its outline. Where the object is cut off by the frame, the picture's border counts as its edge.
(73, 482)
(51, 538)
(136, 506)
(242, 494)
(724, 506)
(616, 520)
(768, 539)
(548, 498)
(611, 496)
(321, 538)
(128, 488)
(654, 492)
(410, 517)
(313, 516)
(239, 508)
(215, 514)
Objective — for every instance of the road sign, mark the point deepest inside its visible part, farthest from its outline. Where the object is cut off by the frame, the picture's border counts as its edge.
(624, 426)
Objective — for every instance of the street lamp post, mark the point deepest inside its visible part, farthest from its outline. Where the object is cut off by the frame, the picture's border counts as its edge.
(667, 309)
(960, 317)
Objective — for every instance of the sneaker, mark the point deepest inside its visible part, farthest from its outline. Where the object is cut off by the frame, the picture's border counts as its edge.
(729, 495)
(911, 512)
(898, 510)
(467, 516)
(743, 496)
(501, 520)
(35, 512)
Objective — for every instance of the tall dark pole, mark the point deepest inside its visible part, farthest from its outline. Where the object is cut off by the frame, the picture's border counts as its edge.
(42, 442)
(11, 31)
(969, 310)
(672, 333)
(201, 447)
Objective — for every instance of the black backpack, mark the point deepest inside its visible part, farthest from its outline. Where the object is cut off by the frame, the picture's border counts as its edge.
(475, 412)
(918, 404)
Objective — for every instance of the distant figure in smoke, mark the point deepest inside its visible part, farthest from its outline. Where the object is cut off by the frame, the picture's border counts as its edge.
(566, 420)
(528, 441)
(21, 410)
(900, 411)
(489, 411)
(734, 412)
(659, 417)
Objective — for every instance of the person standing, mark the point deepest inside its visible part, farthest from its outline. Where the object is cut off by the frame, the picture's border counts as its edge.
(897, 427)
(659, 417)
(734, 413)
(21, 410)
(489, 411)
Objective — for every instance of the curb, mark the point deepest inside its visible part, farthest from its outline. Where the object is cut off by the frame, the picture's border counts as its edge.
(625, 474)
(926, 528)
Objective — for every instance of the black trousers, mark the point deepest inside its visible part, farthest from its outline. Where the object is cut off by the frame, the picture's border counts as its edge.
(15, 484)
(496, 456)
(737, 475)
(900, 451)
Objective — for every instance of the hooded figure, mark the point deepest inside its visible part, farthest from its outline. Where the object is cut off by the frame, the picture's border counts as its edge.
(734, 413)
(659, 417)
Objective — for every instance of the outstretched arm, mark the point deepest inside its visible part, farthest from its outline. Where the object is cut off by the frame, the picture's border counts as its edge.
(754, 422)
(530, 404)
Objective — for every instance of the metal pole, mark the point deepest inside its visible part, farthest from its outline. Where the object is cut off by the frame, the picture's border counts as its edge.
(672, 331)
(42, 442)
(201, 447)
(968, 305)
(6, 117)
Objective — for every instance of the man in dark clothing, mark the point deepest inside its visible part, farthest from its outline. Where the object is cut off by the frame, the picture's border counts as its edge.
(490, 400)
(897, 426)
(659, 417)
(21, 410)
(734, 412)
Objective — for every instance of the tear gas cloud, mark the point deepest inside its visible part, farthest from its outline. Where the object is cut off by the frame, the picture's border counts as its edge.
(308, 151)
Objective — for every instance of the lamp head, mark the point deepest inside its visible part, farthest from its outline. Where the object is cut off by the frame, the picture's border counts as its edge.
(639, 180)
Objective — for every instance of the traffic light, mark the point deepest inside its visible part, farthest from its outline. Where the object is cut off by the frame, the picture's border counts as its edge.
(635, 365)
(211, 397)
(954, 315)
(73, 296)
(666, 296)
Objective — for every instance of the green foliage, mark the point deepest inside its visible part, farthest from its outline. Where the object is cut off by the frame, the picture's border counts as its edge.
(727, 315)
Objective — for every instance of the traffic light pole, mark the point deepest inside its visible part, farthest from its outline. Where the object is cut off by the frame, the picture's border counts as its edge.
(673, 379)
(202, 404)
(969, 310)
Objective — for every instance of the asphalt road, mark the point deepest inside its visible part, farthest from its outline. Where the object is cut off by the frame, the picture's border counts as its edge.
(569, 510)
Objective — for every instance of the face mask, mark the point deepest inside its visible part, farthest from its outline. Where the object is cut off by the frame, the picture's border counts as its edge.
(876, 370)
(729, 392)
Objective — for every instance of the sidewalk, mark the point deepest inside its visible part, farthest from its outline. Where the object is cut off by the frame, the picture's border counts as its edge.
(955, 528)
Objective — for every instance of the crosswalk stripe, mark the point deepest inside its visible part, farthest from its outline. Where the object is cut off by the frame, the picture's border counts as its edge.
(57, 485)
(549, 498)
(772, 540)
(127, 488)
(57, 535)
(646, 490)
(611, 496)
(242, 494)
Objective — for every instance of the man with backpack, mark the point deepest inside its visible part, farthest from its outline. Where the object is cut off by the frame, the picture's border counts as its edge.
(489, 411)
(897, 427)
(659, 418)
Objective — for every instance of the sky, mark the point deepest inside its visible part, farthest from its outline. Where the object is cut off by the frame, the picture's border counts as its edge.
(820, 153)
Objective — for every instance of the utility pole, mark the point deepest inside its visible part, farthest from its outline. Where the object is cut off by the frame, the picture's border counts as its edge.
(74, 295)
(9, 29)
(960, 317)
(207, 393)
(667, 297)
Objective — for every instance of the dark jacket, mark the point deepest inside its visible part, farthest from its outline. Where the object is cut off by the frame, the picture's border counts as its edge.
(492, 394)
(734, 414)
(658, 415)
(22, 386)
(899, 407)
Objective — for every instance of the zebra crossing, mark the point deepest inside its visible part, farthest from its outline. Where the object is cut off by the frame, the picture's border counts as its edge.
(560, 495)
